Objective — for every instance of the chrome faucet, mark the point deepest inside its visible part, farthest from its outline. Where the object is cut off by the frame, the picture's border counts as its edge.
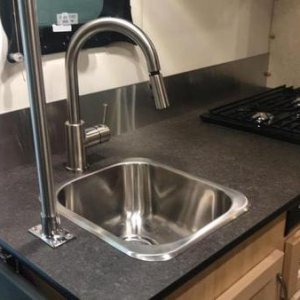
(79, 137)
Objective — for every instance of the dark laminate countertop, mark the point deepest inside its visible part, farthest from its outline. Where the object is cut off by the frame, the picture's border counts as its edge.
(267, 171)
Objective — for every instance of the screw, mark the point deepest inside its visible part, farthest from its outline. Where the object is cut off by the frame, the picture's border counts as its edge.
(267, 74)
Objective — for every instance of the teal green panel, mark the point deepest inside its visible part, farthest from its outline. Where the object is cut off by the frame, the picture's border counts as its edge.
(87, 10)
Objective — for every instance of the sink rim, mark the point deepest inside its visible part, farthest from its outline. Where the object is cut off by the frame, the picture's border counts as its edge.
(161, 252)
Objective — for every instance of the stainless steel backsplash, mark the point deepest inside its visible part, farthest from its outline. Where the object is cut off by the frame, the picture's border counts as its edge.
(131, 107)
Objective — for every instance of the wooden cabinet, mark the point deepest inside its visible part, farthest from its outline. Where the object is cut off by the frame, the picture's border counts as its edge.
(247, 272)
(291, 269)
(296, 296)
(260, 283)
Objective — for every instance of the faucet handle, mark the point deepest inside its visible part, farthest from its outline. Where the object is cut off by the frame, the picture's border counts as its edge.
(100, 133)
(104, 113)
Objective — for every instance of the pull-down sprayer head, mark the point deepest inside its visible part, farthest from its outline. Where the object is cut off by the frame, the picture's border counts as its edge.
(159, 91)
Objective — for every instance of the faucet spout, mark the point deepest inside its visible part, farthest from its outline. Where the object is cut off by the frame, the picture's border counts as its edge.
(123, 27)
(79, 138)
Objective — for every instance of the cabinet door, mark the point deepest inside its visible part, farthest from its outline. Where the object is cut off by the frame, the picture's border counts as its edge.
(229, 269)
(259, 283)
(296, 296)
(291, 269)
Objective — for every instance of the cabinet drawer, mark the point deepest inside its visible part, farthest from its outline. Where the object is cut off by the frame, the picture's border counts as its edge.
(260, 282)
(291, 269)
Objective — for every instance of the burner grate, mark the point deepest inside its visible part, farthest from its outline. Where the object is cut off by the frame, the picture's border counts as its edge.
(274, 113)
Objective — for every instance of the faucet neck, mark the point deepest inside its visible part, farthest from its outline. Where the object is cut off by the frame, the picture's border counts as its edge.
(80, 38)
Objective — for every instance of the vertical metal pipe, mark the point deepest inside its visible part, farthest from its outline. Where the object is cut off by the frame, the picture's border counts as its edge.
(49, 230)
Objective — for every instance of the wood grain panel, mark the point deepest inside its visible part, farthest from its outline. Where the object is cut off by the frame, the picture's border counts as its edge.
(234, 265)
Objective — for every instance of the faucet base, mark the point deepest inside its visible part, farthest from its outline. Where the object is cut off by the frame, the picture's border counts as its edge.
(60, 237)
(75, 134)
(78, 139)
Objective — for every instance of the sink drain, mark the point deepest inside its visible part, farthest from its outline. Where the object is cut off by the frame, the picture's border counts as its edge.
(138, 239)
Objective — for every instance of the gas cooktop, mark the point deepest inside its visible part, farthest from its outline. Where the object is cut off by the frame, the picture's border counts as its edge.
(274, 113)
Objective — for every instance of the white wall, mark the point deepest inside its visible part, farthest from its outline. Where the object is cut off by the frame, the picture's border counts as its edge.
(188, 34)
(285, 48)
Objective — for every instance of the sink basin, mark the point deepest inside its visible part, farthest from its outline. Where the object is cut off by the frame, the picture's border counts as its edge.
(148, 210)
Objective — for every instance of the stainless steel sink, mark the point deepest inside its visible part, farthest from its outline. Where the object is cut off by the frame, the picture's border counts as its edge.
(148, 210)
